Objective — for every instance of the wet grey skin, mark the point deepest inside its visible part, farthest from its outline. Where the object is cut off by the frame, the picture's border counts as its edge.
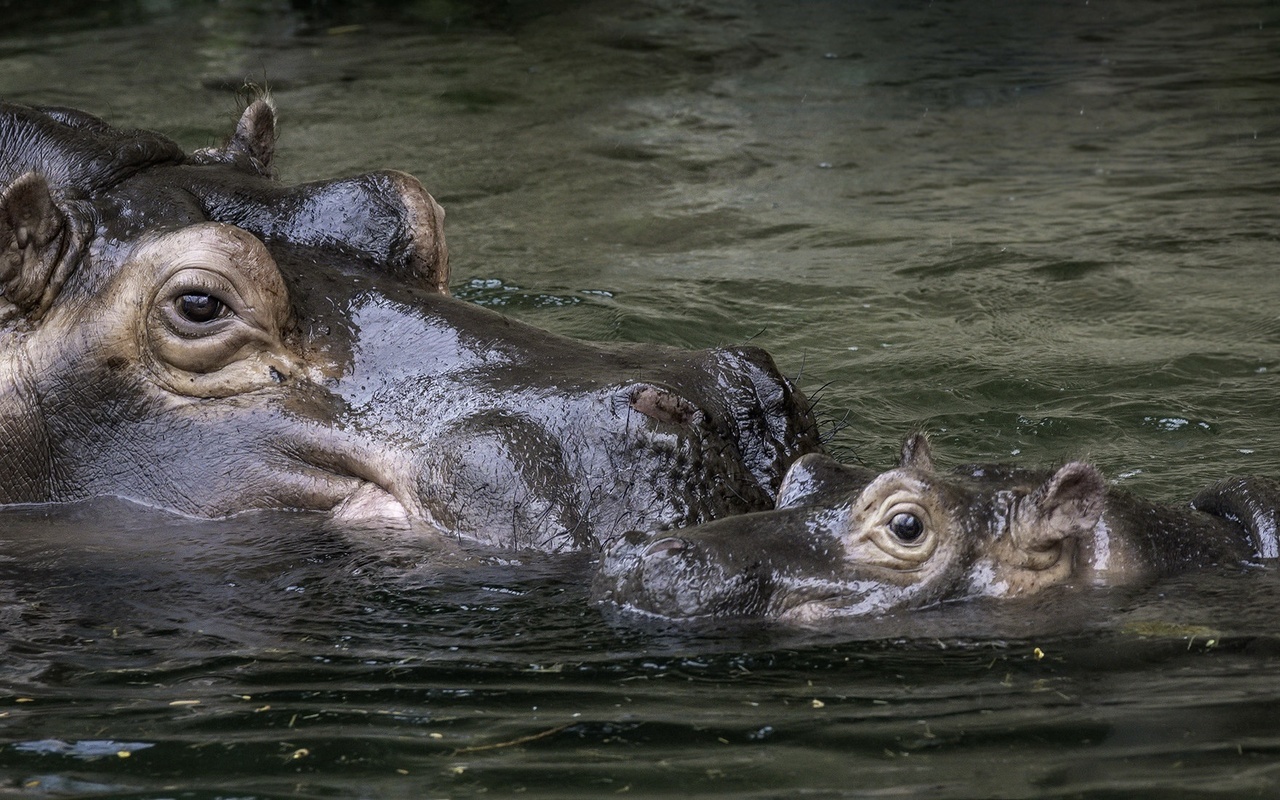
(182, 330)
(844, 541)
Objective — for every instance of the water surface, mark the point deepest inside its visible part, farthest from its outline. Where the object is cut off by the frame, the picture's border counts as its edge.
(1035, 231)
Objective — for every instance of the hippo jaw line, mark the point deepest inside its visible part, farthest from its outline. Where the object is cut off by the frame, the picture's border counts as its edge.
(805, 600)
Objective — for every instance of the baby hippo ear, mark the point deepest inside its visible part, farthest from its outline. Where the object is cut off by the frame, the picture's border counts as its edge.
(916, 453)
(1068, 504)
(34, 256)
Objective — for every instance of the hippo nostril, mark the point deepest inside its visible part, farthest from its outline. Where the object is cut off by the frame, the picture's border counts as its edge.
(635, 538)
(665, 548)
(663, 405)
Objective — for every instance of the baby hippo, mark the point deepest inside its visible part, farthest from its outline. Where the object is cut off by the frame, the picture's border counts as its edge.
(843, 541)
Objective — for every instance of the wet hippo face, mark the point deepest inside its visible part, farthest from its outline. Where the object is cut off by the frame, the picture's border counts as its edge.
(845, 542)
(184, 331)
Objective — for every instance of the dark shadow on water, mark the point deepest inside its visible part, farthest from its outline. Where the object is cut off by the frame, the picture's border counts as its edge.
(312, 16)
(110, 572)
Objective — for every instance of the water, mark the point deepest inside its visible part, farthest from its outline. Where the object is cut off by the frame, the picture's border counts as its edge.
(1036, 231)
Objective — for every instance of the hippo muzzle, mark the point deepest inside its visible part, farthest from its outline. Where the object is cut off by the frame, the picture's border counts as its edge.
(506, 434)
(788, 564)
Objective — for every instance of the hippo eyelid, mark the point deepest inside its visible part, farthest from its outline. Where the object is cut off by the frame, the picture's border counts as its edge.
(209, 326)
(201, 308)
(200, 282)
(915, 532)
(907, 509)
(185, 327)
(904, 555)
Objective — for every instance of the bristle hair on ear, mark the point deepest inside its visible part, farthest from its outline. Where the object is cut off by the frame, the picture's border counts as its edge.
(255, 134)
(916, 453)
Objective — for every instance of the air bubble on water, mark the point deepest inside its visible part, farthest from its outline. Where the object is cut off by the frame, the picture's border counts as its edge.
(761, 733)
(1171, 423)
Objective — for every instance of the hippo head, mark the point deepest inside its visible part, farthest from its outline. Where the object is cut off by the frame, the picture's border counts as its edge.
(184, 331)
(845, 542)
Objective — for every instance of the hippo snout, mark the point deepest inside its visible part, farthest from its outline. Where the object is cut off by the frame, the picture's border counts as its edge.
(672, 576)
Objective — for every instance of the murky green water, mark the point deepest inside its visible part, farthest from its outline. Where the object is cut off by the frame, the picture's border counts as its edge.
(1035, 230)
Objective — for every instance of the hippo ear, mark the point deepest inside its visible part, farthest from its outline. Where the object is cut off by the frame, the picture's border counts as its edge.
(1068, 504)
(34, 234)
(916, 453)
(255, 136)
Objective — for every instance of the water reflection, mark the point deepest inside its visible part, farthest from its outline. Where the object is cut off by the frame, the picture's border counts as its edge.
(272, 648)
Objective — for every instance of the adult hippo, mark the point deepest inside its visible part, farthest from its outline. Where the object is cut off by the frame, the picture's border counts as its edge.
(844, 541)
(184, 331)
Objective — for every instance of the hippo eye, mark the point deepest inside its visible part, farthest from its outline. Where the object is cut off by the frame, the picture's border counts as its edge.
(199, 307)
(906, 527)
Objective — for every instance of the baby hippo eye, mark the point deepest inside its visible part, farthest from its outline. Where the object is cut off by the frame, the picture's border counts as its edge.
(199, 307)
(906, 527)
